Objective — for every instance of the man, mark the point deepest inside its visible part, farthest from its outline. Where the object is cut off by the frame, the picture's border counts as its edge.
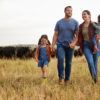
(98, 36)
(65, 36)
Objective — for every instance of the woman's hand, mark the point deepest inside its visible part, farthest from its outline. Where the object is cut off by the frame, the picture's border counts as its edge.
(98, 36)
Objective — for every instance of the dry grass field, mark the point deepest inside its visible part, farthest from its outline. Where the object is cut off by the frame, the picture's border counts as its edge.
(21, 80)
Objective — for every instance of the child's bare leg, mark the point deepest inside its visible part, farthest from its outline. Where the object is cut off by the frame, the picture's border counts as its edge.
(44, 71)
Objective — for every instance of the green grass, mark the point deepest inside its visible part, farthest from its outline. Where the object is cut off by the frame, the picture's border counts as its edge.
(21, 80)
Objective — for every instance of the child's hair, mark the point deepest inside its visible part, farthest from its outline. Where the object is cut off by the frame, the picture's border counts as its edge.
(43, 36)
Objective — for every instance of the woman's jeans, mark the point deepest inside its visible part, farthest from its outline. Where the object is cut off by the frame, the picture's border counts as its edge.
(92, 59)
(64, 54)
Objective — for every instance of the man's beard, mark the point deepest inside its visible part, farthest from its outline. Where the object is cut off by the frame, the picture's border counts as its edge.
(68, 16)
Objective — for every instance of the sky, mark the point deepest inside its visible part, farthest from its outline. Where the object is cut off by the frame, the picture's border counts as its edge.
(24, 21)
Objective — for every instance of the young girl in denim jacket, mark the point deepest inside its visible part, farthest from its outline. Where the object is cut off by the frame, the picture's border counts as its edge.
(42, 54)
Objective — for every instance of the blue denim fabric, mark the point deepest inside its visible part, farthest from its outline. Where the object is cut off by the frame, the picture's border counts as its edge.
(43, 54)
(42, 63)
(92, 59)
(94, 40)
(99, 49)
(64, 53)
(43, 57)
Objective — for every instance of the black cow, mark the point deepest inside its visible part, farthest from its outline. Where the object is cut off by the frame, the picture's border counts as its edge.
(7, 52)
(77, 53)
(23, 52)
(17, 52)
(1, 52)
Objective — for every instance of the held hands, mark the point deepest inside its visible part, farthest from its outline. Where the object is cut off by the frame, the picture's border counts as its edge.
(52, 48)
(72, 44)
(53, 51)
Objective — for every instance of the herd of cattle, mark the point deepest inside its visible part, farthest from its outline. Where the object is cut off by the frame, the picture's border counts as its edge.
(22, 52)
(16, 52)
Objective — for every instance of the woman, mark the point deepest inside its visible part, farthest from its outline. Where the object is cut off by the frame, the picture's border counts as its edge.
(85, 41)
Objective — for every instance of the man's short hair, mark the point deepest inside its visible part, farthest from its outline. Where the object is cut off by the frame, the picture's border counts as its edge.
(67, 7)
(98, 18)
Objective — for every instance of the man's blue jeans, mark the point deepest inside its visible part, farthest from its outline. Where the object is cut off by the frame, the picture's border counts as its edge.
(64, 54)
(92, 59)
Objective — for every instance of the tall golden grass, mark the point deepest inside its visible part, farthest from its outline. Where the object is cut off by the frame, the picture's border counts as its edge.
(21, 80)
